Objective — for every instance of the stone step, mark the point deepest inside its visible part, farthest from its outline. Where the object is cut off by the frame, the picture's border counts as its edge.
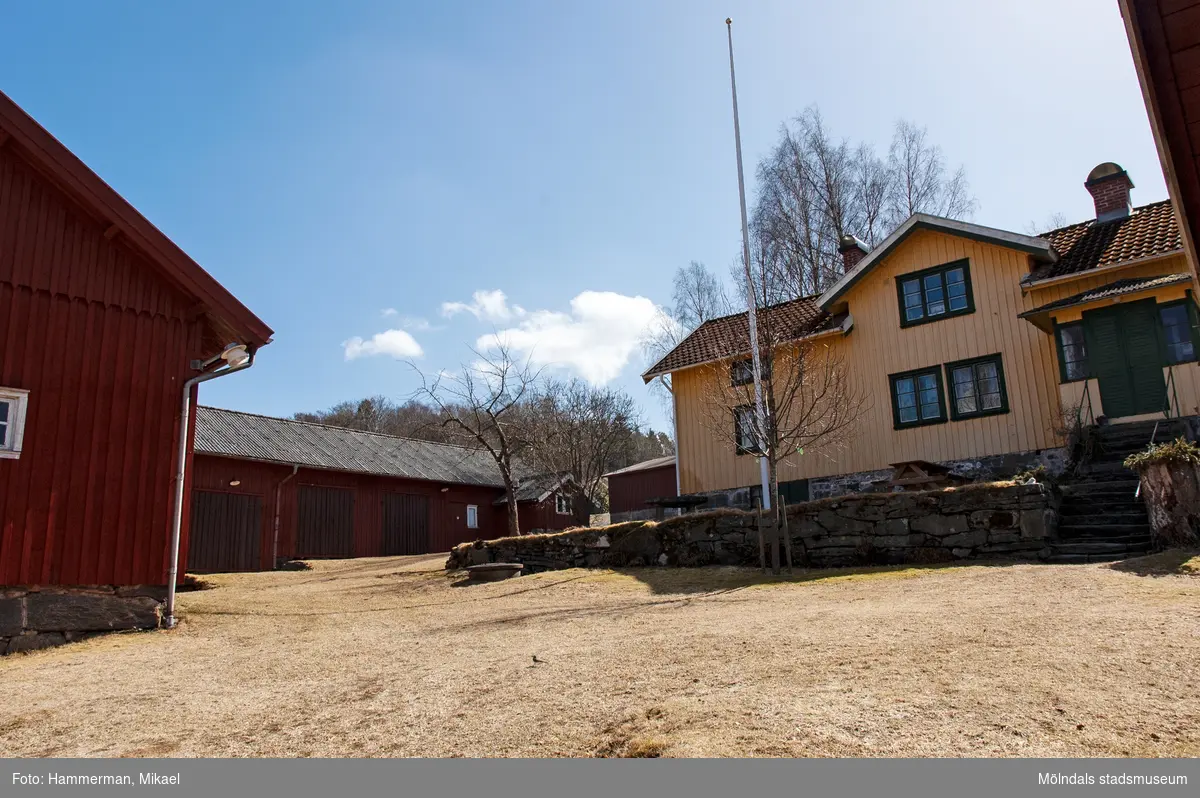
(1098, 550)
(1095, 516)
(1065, 539)
(1079, 559)
(1101, 487)
(1142, 528)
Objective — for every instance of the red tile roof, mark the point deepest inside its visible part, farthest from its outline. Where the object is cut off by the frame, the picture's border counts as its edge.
(1148, 231)
(729, 336)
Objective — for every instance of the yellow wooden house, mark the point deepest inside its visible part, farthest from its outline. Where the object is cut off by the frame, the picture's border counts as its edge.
(974, 347)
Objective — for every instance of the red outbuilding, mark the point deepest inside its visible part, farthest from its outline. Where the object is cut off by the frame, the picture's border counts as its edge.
(102, 322)
(267, 490)
(630, 488)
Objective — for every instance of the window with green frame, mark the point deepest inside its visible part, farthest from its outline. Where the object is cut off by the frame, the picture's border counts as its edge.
(936, 293)
(917, 398)
(977, 387)
(1072, 352)
(1179, 331)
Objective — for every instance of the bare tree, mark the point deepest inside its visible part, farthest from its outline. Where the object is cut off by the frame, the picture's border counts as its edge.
(813, 189)
(483, 404)
(578, 429)
(409, 419)
(812, 402)
(919, 180)
(1052, 222)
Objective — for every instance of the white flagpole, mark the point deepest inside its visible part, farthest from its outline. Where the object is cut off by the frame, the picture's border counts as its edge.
(751, 299)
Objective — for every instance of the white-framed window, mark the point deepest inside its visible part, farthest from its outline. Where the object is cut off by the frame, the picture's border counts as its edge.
(562, 503)
(472, 516)
(13, 403)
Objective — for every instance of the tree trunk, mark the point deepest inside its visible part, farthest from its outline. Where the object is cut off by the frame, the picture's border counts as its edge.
(1172, 495)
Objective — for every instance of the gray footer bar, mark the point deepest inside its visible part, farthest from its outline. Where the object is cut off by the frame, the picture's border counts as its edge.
(664, 778)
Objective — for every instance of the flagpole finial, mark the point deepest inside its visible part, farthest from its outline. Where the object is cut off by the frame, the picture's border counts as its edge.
(728, 20)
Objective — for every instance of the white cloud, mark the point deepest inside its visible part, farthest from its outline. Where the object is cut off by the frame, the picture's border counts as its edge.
(397, 343)
(596, 339)
(486, 306)
(389, 312)
(417, 323)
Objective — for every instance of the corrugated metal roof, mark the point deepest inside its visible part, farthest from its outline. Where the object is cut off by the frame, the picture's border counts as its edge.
(535, 487)
(230, 433)
(645, 465)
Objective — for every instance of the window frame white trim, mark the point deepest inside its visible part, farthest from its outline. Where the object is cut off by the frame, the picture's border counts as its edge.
(559, 496)
(473, 509)
(18, 399)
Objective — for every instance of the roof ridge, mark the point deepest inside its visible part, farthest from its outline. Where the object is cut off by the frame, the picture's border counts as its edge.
(339, 429)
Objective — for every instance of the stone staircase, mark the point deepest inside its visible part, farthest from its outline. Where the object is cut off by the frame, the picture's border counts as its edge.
(1101, 518)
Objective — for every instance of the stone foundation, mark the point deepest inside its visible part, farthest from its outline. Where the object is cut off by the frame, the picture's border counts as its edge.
(34, 617)
(980, 469)
(982, 521)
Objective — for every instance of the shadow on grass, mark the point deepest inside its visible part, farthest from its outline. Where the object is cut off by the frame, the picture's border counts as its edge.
(1173, 562)
(669, 581)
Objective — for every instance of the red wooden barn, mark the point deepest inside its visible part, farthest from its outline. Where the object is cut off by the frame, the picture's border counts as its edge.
(102, 320)
(629, 488)
(266, 490)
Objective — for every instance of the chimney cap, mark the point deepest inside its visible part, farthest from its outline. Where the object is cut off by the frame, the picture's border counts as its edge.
(1107, 171)
(850, 241)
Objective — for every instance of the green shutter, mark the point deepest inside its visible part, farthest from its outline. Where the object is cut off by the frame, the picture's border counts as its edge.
(1102, 334)
(1143, 355)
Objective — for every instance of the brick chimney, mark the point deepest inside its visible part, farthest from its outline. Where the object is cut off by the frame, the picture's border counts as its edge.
(852, 250)
(1109, 186)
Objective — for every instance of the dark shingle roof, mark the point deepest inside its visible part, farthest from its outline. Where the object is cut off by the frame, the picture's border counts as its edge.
(729, 336)
(1148, 231)
(230, 433)
(1116, 288)
(645, 465)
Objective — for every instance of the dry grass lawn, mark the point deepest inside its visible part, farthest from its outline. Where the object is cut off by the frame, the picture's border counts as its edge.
(392, 657)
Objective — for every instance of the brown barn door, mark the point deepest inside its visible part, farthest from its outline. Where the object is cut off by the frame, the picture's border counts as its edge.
(405, 524)
(225, 532)
(324, 522)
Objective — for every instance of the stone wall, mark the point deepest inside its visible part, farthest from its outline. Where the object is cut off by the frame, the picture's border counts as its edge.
(980, 521)
(33, 617)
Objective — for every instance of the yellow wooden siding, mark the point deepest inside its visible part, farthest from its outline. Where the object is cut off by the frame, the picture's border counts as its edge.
(878, 346)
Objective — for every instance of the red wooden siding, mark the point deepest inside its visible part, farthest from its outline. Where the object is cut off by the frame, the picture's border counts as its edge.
(544, 515)
(629, 492)
(261, 479)
(103, 346)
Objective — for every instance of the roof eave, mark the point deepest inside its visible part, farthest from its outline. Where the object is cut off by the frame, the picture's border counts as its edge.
(1110, 267)
(88, 188)
(1041, 317)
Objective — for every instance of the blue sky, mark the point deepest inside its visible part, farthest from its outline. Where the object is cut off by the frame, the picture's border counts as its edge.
(328, 162)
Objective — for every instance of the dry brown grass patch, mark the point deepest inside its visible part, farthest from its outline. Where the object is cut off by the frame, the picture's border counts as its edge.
(384, 657)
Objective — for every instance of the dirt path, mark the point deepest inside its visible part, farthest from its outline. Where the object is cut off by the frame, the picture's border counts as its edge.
(390, 657)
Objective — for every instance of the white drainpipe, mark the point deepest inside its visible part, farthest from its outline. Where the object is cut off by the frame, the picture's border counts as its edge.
(275, 523)
(239, 360)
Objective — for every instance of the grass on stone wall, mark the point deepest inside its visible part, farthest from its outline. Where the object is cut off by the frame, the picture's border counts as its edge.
(1177, 452)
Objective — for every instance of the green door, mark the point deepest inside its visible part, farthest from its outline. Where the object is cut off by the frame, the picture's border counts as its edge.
(1126, 359)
